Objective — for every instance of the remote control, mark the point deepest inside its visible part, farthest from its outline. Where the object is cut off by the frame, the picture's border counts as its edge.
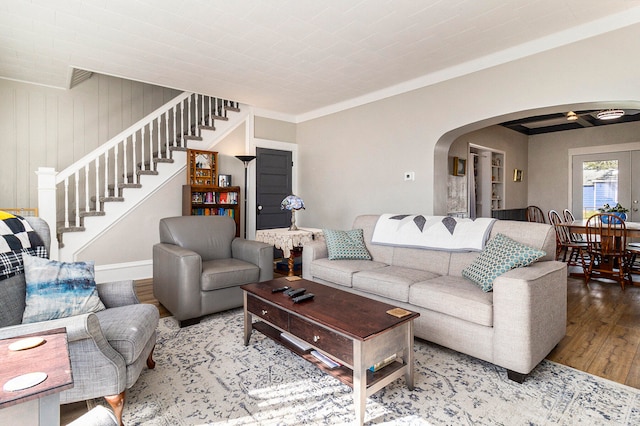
(295, 292)
(302, 298)
(278, 290)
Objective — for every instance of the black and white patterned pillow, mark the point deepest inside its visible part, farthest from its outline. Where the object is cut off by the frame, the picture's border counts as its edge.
(17, 237)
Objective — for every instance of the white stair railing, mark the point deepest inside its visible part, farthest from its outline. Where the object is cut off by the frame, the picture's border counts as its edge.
(83, 187)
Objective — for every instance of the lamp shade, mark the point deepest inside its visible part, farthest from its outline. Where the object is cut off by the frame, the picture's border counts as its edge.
(292, 202)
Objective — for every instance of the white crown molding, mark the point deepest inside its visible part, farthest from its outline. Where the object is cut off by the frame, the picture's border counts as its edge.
(559, 39)
(274, 115)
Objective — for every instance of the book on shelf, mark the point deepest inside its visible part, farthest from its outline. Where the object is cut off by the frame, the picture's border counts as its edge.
(380, 365)
(300, 344)
(325, 359)
(223, 198)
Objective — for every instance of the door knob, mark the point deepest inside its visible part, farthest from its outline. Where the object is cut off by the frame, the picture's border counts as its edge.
(259, 208)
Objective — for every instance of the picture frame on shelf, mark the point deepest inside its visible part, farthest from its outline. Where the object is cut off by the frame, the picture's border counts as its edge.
(459, 166)
(224, 180)
(517, 175)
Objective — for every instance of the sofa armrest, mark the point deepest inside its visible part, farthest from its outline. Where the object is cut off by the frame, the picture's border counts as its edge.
(529, 314)
(312, 251)
(118, 293)
(256, 252)
(176, 280)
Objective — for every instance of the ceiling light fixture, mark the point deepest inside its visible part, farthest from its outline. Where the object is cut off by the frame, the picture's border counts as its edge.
(610, 114)
(572, 116)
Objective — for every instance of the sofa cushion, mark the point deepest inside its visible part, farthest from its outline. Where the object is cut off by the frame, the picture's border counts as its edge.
(58, 289)
(436, 261)
(341, 271)
(346, 244)
(129, 328)
(455, 296)
(223, 273)
(499, 256)
(392, 282)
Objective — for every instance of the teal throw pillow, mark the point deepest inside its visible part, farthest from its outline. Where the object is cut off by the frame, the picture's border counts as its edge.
(58, 289)
(346, 244)
(500, 255)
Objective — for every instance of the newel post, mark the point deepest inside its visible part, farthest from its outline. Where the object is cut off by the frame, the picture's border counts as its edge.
(47, 204)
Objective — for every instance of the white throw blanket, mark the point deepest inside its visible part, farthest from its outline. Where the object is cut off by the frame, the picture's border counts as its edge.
(432, 232)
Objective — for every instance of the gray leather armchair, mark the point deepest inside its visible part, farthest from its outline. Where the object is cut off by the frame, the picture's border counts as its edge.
(199, 265)
(108, 349)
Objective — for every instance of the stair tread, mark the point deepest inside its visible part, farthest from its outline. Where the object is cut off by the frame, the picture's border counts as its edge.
(72, 229)
(92, 213)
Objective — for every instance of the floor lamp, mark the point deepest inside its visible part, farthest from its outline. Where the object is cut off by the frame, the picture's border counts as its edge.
(246, 159)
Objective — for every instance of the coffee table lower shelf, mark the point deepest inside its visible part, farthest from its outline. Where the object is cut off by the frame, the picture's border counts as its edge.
(342, 373)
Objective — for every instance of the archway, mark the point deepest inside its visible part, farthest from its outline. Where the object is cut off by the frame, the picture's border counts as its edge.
(441, 150)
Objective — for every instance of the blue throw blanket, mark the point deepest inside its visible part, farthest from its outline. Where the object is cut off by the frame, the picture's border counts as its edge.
(432, 232)
(17, 237)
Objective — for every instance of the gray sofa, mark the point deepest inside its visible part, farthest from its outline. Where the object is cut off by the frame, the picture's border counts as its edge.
(514, 327)
(199, 266)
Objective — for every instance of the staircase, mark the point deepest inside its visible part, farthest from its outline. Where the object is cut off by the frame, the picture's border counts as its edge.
(95, 192)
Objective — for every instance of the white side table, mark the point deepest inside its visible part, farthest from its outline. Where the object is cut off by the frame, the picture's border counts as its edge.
(287, 241)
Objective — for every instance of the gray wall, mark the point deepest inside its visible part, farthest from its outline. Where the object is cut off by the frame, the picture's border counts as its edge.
(46, 127)
(352, 162)
(277, 130)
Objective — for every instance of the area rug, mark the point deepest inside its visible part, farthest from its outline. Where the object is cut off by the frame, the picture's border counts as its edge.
(206, 376)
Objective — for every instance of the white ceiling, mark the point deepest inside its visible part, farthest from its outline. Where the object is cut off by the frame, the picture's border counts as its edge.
(299, 58)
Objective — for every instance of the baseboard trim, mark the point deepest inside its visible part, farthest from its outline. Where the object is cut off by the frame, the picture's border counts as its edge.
(139, 270)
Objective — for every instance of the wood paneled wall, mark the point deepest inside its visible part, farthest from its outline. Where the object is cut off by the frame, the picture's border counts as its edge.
(49, 127)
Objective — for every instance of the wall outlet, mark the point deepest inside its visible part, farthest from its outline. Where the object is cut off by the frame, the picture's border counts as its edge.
(409, 175)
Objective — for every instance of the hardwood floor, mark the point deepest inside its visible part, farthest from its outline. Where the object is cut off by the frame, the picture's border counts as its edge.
(603, 331)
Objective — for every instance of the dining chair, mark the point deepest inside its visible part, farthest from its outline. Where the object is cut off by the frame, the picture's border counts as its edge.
(569, 217)
(633, 257)
(607, 248)
(565, 246)
(535, 214)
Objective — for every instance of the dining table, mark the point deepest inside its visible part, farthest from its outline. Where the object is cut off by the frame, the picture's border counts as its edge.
(579, 226)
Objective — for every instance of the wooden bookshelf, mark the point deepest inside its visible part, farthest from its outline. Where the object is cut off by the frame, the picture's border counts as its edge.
(201, 200)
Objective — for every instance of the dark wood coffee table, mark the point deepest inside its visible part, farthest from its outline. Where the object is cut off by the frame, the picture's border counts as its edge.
(351, 329)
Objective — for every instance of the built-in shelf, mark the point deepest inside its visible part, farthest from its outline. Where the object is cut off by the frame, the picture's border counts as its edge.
(488, 172)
